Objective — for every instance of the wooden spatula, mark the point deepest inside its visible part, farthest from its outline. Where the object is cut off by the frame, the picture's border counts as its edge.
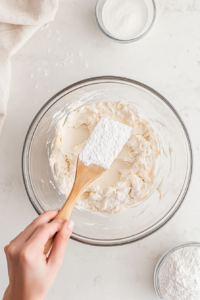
(84, 176)
(102, 147)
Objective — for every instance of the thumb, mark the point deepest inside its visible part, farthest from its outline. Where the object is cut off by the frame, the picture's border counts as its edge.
(60, 242)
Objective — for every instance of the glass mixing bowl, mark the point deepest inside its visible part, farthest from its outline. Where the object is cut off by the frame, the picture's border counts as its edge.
(172, 175)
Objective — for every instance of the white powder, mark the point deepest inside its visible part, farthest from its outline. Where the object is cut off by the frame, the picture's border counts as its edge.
(105, 143)
(61, 58)
(125, 19)
(179, 276)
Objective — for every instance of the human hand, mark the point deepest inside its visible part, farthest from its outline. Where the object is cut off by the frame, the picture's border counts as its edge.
(31, 273)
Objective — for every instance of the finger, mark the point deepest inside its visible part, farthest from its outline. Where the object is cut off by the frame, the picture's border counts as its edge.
(57, 252)
(42, 234)
(30, 229)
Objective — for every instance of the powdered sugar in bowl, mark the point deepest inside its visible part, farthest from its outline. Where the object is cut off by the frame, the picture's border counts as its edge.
(177, 273)
(125, 21)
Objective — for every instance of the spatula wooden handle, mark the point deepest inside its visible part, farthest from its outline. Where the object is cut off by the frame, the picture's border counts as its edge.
(64, 214)
(84, 176)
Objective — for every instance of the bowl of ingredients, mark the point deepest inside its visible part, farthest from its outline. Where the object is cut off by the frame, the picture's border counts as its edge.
(177, 273)
(146, 183)
(125, 21)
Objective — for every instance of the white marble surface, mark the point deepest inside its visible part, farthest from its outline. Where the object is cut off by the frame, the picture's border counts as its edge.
(70, 49)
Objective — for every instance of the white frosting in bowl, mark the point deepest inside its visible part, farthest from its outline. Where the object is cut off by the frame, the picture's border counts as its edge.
(131, 175)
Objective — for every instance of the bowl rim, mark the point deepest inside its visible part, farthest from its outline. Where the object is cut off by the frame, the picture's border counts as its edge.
(162, 260)
(126, 40)
(106, 242)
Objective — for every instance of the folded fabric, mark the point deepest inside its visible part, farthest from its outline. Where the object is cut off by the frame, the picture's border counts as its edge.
(19, 20)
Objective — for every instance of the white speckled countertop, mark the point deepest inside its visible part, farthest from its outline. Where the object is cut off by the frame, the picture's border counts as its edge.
(70, 49)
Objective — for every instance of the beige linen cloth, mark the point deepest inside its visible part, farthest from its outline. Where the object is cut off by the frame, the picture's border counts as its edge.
(19, 20)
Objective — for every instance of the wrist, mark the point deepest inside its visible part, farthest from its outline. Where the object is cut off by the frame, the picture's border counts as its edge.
(10, 295)
(6, 295)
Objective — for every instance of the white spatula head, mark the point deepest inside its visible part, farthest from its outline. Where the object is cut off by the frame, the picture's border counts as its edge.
(105, 142)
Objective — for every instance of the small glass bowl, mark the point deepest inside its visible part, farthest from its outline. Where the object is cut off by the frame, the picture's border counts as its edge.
(162, 260)
(151, 6)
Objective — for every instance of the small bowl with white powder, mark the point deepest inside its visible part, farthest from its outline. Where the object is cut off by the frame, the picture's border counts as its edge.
(125, 21)
(177, 273)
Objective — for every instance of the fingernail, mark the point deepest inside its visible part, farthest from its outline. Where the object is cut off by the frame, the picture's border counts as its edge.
(70, 224)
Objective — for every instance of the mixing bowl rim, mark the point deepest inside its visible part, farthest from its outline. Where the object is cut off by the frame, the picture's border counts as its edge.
(117, 79)
(126, 40)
